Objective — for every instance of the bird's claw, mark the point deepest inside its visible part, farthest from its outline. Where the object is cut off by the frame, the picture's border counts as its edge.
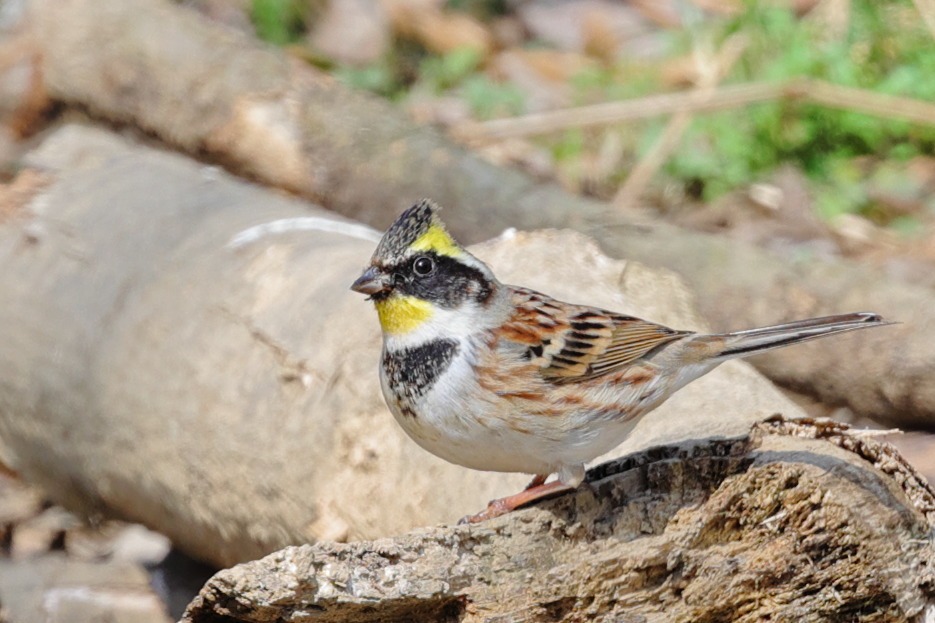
(495, 508)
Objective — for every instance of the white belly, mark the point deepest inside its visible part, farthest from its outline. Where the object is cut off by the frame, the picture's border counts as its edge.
(450, 422)
(466, 425)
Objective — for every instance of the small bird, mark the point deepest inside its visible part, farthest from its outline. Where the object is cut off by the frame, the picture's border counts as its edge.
(503, 378)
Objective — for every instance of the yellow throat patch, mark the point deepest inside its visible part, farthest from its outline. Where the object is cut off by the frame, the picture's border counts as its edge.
(401, 314)
(437, 239)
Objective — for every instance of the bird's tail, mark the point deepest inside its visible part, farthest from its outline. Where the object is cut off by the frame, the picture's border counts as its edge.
(752, 341)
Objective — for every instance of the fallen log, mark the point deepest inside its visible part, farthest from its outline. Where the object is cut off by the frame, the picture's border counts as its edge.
(173, 357)
(797, 521)
(206, 89)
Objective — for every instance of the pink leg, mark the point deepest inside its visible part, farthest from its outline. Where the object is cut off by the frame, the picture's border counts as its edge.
(535, 491)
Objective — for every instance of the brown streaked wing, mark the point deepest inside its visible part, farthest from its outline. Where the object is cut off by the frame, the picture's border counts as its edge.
(632, 339)
(573, 343)
(535, 320)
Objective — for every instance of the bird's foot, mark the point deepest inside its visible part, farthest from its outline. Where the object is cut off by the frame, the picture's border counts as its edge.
(534, 492)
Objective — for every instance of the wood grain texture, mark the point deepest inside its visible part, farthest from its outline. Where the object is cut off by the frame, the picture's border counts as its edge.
(797, 521)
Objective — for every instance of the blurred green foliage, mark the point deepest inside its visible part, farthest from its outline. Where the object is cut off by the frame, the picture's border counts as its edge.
(378, 78)
(442, 73)
(489, 99)
(457, 73)
(886, 49)
(481, 9)
(278, 21)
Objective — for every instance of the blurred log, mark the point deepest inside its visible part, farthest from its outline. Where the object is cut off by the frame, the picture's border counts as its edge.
(208, 89)
(53, 588)
(799, 521)
(227, 395)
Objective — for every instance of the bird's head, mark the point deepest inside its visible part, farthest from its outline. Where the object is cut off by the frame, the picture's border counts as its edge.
(419, 272)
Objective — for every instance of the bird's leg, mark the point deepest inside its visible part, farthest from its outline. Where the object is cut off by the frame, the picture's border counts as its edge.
(536, 490)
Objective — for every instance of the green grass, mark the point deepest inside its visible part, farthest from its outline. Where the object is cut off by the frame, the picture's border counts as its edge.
(886, 50)
(280, 22)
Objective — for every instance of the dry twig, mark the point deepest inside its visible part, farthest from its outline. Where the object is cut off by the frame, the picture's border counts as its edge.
(723, 98)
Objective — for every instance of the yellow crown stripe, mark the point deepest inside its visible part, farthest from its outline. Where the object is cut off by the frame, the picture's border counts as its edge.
(437, 239)
(401, 314)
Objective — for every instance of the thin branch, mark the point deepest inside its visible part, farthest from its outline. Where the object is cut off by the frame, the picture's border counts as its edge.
(868, 102)
(620, 111)
(723, 98)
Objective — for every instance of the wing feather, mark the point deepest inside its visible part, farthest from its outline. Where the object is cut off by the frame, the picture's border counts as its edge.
(574, 343)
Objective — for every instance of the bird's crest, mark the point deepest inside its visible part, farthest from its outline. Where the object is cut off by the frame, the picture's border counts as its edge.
(419, 228)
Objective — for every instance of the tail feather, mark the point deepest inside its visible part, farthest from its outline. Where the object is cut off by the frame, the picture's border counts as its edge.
(743, 343)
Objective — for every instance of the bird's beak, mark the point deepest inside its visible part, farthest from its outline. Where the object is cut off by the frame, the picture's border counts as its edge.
(372, 281)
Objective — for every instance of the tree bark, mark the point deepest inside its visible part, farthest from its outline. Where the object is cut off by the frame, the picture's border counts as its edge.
(206, 89)
(798, 521)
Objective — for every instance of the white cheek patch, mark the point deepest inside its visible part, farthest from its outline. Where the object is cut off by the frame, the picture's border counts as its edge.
(455, 324)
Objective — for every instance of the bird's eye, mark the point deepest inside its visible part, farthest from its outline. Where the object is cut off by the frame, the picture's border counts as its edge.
(423, 266)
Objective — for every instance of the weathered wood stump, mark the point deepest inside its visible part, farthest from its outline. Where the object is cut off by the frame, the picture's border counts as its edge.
(798, 521)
